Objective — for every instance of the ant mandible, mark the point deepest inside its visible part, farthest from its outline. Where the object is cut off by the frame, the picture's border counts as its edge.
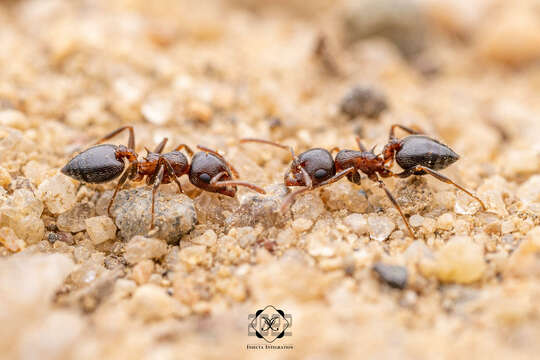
(417, 154)
(208, 171)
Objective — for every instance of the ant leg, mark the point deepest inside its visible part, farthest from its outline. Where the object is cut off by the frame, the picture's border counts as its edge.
(288, 200)
(215, 181)
(404, 128)
(131, 139)
(205, 149)
(396, 205)
(161, 146)
(185, 147)
(336, 177)
(291, 196)
(127, 173)
(155, 186)
(360, 144)
(441, 177)
(245, 140)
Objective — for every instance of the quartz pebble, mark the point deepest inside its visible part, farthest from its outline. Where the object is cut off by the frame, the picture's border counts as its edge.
(58, 193)
(174, 217)
(100, 229)
(345, 195)
(140, 248)
(445, 221)
(357, 223)
(35, 171)
(196, 255)
(257, 209)
(416, 220)
(22, 213)
(74, 219)
(460, 261)
(208, 238)
(417, 251)
(524, 261)
(5, 178)
(308, 206)
(10, 241)
(151, 303)
(380, 227)
(529, 191)
(142, 271)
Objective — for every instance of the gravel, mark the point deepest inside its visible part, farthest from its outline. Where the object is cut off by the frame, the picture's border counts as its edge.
(174, 217)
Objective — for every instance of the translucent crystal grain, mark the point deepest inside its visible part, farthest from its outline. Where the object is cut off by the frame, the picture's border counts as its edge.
(10, 241)
(141, 248)
(445, 221)
(142, 271)
(100, 229)
(380, 227)
(150, 302)
(74, 219)
(5, 177)
(358, 223)
(416, 220)
(460, 261)
(208, 238)
(35, 171)
(308, 206)
(58, 193)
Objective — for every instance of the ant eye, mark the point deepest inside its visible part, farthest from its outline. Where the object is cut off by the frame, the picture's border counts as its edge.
(320, 174)
(204, 178)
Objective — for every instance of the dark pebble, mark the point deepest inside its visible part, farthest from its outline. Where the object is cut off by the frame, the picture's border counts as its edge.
(363, 101)
(53, 237)
(393, 275)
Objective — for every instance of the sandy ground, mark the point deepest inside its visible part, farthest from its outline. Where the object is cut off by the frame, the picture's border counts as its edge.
(76, 285)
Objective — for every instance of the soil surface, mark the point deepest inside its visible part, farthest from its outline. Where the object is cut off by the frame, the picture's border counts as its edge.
(77, 284)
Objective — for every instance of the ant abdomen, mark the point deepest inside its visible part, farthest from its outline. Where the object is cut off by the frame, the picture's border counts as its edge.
(422, 150)
(95, 165)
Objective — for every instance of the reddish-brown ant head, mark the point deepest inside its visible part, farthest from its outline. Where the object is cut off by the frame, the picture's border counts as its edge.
(205, 167)
(318, 165)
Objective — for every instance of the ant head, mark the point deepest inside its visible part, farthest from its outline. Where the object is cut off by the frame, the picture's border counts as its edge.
(207, 166)
(317, 164)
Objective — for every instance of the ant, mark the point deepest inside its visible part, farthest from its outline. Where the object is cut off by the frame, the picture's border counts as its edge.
(208, 171)
(417, 154)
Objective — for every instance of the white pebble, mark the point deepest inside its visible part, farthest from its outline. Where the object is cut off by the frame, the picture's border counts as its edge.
(100, 229)
(380, 227)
